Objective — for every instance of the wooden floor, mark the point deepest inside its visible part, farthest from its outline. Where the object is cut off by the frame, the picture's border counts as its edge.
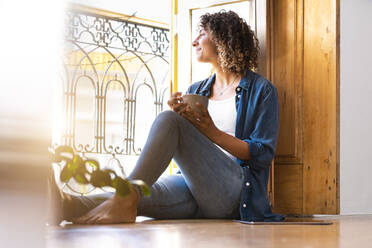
(345, 231)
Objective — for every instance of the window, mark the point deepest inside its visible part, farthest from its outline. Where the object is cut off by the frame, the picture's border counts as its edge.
(115, 81)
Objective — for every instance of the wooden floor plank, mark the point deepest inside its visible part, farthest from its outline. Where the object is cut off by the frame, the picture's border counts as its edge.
(346, 231)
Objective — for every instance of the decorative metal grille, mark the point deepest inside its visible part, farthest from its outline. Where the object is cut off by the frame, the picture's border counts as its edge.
(115, 82)
(108, 32)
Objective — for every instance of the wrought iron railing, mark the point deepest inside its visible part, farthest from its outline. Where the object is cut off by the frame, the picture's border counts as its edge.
(115, 33)
(115, 82)
(121, 43)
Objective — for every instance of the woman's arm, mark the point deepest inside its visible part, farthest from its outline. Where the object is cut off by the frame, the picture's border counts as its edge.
(231, 144)
(205, 124)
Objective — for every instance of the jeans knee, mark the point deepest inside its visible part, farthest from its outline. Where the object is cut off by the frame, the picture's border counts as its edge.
(167, 119)
(168, 115)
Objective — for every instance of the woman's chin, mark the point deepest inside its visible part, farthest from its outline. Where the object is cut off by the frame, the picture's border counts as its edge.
(200, 59)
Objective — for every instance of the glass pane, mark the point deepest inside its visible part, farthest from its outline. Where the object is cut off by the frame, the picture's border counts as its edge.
(115, 116)
(85, 114)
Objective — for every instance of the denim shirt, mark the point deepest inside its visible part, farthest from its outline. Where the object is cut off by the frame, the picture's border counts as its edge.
(257, 124)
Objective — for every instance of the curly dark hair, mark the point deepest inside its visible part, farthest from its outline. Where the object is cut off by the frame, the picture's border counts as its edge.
(236, 43)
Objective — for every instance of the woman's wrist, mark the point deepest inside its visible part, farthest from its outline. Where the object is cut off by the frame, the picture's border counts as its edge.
(217, 136)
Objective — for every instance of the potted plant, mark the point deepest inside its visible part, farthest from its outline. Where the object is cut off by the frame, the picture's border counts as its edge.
(74, 166)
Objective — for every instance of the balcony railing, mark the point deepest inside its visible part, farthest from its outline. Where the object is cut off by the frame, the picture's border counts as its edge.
(114, 83)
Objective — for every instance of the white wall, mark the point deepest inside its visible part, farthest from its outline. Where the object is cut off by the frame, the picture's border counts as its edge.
(30, 57)
(356, 107)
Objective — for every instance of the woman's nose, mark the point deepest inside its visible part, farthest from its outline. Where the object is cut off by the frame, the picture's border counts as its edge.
(195, 42)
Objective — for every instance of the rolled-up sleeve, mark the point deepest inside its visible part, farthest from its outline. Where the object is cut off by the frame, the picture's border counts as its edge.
(262, 140)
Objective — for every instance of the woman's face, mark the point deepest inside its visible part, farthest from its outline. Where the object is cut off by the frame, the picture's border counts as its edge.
(205, 49)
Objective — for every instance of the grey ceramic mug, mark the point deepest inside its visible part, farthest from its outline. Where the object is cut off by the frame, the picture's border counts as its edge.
(192, 99)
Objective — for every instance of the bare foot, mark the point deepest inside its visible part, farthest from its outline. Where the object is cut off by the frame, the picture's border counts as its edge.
(112, 211)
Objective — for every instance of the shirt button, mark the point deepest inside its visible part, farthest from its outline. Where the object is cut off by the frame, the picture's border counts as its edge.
(238, 96)
(244, 205)
(247, 184)
(238, 89)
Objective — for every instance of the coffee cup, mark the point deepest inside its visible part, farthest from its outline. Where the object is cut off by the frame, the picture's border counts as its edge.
(192, 99)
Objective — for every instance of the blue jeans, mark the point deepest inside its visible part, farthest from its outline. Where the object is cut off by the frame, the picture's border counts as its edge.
(210, 182)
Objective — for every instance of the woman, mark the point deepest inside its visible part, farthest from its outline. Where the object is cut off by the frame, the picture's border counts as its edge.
(224, 154)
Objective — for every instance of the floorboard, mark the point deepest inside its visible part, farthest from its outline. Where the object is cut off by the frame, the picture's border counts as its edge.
(345, 231)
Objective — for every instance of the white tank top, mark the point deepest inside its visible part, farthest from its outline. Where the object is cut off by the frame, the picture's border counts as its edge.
(223, 114)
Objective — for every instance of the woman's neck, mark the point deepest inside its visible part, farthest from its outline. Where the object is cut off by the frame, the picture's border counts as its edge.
(224, 84)
(223, 78)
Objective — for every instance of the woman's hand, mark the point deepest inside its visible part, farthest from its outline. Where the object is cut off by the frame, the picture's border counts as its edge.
(176, 102)
(205, 124)
(202, 121)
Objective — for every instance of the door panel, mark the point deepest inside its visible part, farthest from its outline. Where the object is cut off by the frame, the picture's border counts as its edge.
(286, 75)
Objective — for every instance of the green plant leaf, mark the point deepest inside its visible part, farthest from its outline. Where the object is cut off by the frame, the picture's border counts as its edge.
(80, 174)
(63, 153)
(100, 178)
(75, 163)
(77, 160)
(93, 163)
(122, 186)
(76, 167)
(66, 173)
(81, 168)
(145, 189)
(110, 172)
(81, 178)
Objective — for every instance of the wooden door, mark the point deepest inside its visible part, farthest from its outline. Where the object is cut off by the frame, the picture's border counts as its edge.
(303, 64)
